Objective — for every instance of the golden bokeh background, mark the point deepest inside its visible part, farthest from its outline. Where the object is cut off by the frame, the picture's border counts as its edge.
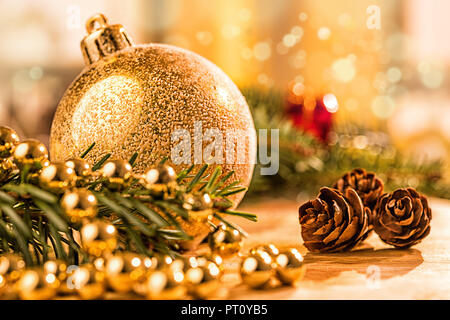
(386, 61)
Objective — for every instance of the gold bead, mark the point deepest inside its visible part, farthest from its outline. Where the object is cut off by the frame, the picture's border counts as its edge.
(57, 177)
(7, 166)
(98, 237)
(257, 270)
(8, 141)
(124, 270)
(56, 267)
(225, 241)
(79, 204)
(59, 269)
(35, 284)
(271, 249)
(31, 153)
(166, 284)
(197, 202)
(167, 262)
(204, 280)
(162, 174)
(159, 180)
(81, 167)
(290, 266)
(11, 266)
(89, 282)
(3, 285)
(150, 264)
(217, 259)
(117, 173)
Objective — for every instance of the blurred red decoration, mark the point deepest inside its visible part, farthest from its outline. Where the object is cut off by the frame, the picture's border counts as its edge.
(313, 114)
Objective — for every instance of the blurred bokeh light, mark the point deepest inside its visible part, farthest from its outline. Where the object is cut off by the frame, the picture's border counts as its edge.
(383, 65)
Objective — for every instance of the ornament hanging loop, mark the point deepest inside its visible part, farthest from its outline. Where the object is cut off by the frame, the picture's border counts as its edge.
(103, 39)
(98, 19)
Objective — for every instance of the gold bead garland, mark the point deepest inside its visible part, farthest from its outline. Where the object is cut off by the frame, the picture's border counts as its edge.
(108, 268)
(158, 277)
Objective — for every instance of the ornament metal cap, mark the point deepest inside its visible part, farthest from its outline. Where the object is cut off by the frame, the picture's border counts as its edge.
(103, 39)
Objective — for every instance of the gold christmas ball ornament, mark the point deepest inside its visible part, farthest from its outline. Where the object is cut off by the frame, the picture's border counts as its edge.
(31, 153)
(57, 177)
(79, 204)
(154, 99)
(98, 237)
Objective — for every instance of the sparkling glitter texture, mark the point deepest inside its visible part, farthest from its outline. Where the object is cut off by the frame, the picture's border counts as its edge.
(133, 99)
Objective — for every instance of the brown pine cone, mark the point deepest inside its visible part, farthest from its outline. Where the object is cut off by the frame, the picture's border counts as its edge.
(402, 218)
(333, 222)
(366, 184)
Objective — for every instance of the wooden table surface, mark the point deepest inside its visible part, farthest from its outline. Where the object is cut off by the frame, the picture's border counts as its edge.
(375, 271)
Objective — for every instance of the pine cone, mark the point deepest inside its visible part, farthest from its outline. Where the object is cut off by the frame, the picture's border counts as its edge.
(402, 218)
(366, 184)
(333, 222)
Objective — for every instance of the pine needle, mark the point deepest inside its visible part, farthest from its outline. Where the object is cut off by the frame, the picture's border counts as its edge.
(100, 163)
(85, 153)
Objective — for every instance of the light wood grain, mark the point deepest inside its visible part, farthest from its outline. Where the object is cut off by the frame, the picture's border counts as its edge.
(422, 272)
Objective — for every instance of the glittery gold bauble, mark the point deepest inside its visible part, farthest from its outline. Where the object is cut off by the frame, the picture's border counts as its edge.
(133, 98)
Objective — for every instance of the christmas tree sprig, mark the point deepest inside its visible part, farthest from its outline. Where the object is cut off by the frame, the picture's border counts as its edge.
(305, 163)
(72, 212)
